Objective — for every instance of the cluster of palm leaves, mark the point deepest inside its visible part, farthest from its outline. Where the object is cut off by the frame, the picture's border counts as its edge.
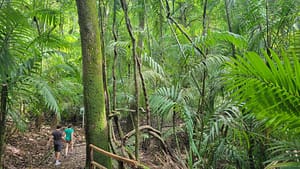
(250, 119)
(32, 60)
(254, 126)
(268, 85)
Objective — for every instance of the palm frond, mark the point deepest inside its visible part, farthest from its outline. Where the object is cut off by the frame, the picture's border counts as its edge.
(153, 64)
(271, 86)
(46, 92)
(285, 154)
(211, 63)
(268, 86)
(230, 153)
(227, 117)
(122, 47)
(47, 15)
(237, 40)
(188, 118)
(153, 78)
(68, 90)
(19, 122)
(15, 33)
(166, 100)
(295, 45)
(162, 106)
(283, 165)
(50, 40)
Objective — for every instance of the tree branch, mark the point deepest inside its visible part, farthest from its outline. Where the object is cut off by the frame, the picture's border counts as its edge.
(181, 30)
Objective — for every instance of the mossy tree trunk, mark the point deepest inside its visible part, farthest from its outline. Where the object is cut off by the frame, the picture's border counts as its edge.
(94, 100)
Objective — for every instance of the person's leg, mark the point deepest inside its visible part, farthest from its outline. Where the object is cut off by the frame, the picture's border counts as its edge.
(72, 145)
(57, 154)
(56, 148)
(67, 148)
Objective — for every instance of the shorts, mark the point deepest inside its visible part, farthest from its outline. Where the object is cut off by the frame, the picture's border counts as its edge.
(57, 147)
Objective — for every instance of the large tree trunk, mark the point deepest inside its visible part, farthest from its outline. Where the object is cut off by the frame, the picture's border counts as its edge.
(94, 101)
(3, 112)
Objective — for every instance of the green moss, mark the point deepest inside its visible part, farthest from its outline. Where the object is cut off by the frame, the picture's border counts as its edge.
(94, 102)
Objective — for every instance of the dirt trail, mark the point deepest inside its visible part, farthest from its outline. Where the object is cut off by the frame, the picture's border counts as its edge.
(29, 151)
(74, 160)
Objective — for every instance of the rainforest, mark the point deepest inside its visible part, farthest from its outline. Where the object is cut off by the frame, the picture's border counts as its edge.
(182, 84)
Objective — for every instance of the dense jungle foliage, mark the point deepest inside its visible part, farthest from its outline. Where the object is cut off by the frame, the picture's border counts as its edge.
(224, 73)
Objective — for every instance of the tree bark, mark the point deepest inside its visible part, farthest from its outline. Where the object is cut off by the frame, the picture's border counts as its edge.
(96, 130)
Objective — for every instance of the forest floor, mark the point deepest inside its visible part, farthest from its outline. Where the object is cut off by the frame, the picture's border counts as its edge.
(29, 151)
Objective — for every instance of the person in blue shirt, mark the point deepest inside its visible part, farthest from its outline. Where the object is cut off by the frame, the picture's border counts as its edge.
(69, 138)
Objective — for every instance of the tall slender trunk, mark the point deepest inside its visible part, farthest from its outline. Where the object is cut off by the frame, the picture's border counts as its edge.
(139, 56)
(114, 95)
(268, 36)
(3, 113)
(114, 65)
(135, 67)
(229, 24)
(102, 23)
(251, 151)
(201, 108)
(96, 130)
(159, 120)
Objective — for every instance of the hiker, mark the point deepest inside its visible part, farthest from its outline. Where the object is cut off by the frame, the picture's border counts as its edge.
(69, 139)
(58, 138)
